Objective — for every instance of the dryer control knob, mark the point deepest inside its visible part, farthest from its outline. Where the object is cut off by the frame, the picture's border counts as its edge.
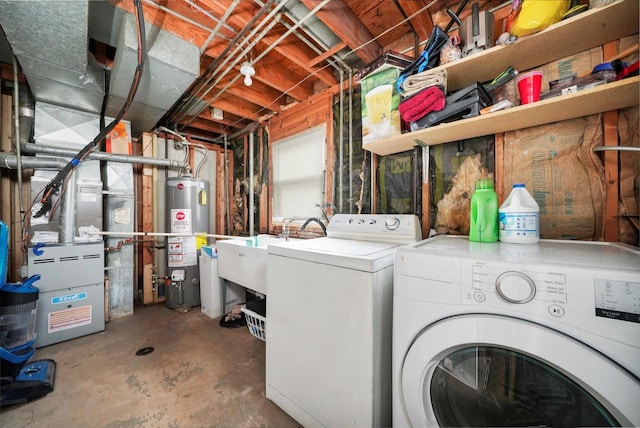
(392, 223)
(515, 287)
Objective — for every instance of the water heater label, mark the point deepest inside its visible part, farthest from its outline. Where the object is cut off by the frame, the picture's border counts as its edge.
(181, 221)
(182, 251)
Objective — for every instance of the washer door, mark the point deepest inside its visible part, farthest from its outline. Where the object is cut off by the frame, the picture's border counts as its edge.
(490, 370)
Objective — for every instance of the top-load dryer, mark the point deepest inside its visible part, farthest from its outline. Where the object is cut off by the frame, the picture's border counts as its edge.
(516, 335)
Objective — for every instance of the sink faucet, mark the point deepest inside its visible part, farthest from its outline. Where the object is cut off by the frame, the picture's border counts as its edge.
(286, 222)
(310, 219)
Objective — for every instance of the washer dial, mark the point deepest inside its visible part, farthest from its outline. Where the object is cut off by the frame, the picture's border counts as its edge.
(392, 223)
(515, 287)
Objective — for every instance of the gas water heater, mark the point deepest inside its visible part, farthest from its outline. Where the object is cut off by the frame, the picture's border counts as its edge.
(188, 213)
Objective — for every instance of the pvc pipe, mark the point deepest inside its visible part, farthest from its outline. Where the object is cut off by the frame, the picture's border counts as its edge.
(208, 235)
(616, 149)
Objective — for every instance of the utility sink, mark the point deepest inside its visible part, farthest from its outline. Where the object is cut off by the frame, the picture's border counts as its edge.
(244, 260)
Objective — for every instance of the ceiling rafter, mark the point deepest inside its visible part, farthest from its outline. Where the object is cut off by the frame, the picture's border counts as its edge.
(289, 70)
(337, 16)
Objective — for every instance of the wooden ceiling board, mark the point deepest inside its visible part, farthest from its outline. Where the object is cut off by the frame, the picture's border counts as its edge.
(295, 71)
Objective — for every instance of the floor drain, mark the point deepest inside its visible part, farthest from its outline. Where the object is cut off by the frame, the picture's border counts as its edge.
(145, 351)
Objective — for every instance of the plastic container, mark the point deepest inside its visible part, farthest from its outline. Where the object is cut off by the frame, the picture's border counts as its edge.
(483, 225)
(529, 86)
(257, 324)
(519, 217)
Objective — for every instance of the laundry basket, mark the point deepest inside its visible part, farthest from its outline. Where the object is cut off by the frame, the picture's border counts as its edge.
(257, 324)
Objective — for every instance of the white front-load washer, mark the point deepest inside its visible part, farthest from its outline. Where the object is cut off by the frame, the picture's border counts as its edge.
(328, 327)
(516, 335)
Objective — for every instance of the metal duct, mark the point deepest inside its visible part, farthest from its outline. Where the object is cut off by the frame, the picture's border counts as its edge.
(172, 66)
(57, 151)
(10, 161)
(50, 40)
(320, 32)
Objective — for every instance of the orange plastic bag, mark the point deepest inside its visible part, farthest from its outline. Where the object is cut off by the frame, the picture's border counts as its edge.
(531, 16)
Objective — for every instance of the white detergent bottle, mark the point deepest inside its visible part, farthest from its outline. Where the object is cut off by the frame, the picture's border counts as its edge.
(519, 217)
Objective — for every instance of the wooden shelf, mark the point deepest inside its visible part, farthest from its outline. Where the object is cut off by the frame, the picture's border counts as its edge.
(610, 96)
(589, 29)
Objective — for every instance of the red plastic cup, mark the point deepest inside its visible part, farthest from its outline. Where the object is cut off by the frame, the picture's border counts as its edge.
(529, 86)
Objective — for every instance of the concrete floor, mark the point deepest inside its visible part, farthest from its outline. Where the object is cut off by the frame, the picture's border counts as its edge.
(199, 375)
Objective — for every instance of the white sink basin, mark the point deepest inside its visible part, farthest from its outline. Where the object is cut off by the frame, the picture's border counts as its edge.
(243, 264)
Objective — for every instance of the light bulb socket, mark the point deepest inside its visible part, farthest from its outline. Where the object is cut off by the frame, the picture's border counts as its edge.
(247, 71)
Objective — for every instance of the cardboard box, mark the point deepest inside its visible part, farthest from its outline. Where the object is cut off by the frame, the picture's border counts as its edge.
(580, 64)
(119, 139)
(379, 100)
(557, 164)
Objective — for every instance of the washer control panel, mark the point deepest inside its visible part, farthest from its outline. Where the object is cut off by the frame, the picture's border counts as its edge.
(519, 286)
(396, 228)
(618, 299)
(515, 287)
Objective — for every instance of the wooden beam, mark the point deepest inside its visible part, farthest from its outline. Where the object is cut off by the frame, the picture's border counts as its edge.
(258, 94)
(6, 73)
(7, 179)
(611, 177)
(263, 221)
(305, 115)
(6, 127)
(221, 187)
(611, 162)
(421, 23)
(225, 127)
(147, 284)
(271, 73)
(300, 57)
(229, 122)
(327, 54)
(243, 110)
(345, 24)
(498, 170)
(147, 219)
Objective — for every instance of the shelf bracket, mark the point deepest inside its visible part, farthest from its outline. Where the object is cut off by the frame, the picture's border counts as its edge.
(420, 143)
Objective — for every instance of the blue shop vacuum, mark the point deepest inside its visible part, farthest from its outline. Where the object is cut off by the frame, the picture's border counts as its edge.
(21, 381)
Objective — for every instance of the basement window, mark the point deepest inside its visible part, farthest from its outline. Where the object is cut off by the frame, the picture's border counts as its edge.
(299, 174)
